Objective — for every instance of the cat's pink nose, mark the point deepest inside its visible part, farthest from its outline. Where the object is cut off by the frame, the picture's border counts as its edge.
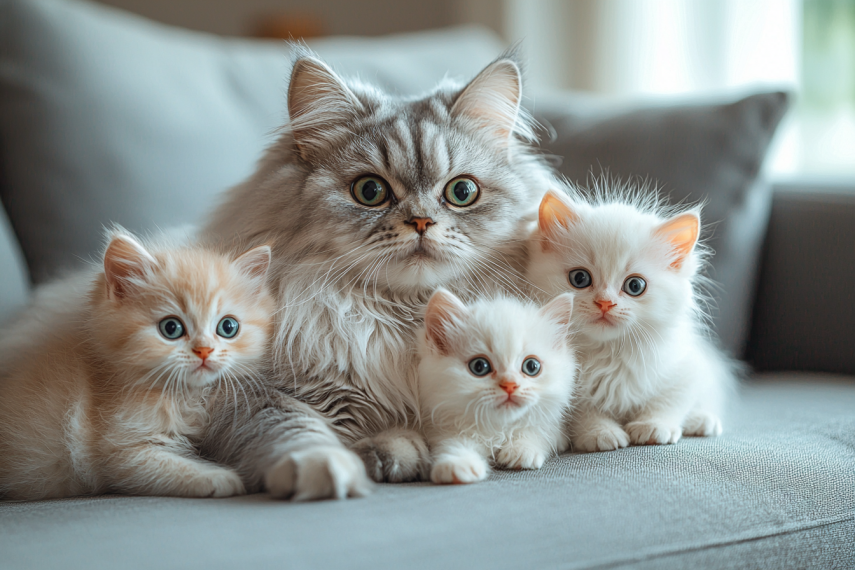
(203, 352)
(508, 386)
(605, 305)
(420, 224)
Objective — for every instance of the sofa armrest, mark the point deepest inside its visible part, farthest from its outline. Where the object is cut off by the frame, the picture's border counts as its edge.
(804, 314)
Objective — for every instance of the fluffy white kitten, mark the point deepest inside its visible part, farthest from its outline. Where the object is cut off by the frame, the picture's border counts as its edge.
(495, 380)
(648, 373)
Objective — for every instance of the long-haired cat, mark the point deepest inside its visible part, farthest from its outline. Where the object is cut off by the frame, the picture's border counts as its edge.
(648, 371)
(372, 201)
(496, 379)
(105, 378)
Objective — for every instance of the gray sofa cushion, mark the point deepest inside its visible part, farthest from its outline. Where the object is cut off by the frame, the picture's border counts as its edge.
(148, 131)
(710, 152)
(775, 491)
(14, 278)
(105, 116)
(805, 313)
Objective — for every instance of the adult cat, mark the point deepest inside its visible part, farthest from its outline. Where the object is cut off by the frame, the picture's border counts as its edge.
(370, 203)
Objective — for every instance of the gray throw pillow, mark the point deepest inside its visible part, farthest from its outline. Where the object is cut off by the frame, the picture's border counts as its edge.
(107, 117)
(699, 152)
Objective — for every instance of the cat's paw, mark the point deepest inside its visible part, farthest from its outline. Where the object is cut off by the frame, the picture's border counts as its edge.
(603, 437)
(459, 469)
(328, 472)
(702, 424)
(653, 432)
(395, 456)
(517, 455)
(218, 482)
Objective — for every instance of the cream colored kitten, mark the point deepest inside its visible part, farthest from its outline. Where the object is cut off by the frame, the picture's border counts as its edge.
(105, 379)
(495, 381)
(648, 371)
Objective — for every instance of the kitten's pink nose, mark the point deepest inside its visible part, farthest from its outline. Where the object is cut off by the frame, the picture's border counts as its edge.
(508, 386)
(203, 352)
(420, 224)
(605, 305)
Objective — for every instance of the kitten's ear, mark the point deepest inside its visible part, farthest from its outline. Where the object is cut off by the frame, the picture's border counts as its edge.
(443, 309)
(555, 213)
(682, 232)
(318, 100)
(493, 98)
(125, 260)
(559, 309)
(255, 263)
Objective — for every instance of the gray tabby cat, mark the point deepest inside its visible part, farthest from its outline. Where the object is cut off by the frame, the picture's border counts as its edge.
(370, 202)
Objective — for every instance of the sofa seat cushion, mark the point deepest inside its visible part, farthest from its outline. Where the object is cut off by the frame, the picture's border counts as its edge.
(777, 490)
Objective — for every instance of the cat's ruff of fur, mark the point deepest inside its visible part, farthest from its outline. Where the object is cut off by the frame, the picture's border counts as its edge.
(651, 374)
(94, 399)
(471, 419)
(350, 282)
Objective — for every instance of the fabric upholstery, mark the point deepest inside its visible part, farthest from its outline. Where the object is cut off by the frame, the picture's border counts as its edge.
(805, 309)
(775, 491)
(107, 117)
(14, 278)
(696, 152)
(148, 132)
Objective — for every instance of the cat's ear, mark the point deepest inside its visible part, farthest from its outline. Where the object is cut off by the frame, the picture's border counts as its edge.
(493, 99)
(555, 214)
(255, 264)
(442, 311)
(559, 309)
(682, 232)
(125, 261)
(319, 103)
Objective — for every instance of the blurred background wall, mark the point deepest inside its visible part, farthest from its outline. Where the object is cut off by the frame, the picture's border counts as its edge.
(616, 48)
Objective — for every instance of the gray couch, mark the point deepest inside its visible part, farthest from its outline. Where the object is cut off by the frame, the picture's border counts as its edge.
(106, 117)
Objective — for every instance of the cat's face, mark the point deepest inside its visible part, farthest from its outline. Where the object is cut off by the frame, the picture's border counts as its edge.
(631, 271)
(495, 361)
(408, 194)
(183, 317)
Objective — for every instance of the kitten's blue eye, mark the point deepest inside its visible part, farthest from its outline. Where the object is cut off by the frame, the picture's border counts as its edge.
(580, 278)
(370, 190)
(228, 327)
(634, 286)
(462, 191)
(531, 366)
(171, 328)
(480, 366)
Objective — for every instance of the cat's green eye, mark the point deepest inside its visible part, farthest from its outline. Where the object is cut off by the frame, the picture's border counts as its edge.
(171, 328)
(228, 327)
(480, 366)
(462, 192)
(370, 190)
(531, 366)
(634, 285)
(580, 278)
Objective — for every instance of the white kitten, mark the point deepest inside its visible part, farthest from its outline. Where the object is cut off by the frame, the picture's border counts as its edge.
(495, 379)
(648, 373)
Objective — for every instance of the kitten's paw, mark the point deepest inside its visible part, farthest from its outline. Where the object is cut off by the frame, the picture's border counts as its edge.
(459, 469)
(603, 437)
(328, 472)
(218, 482)
(702, 424)
(653, 432)
(520, 456)
(395, 456)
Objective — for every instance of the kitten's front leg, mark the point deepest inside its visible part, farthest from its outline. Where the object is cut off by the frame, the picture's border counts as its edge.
(459, 460)
(395, 455)
(151, 469)
(592, 430)
(527, 450)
